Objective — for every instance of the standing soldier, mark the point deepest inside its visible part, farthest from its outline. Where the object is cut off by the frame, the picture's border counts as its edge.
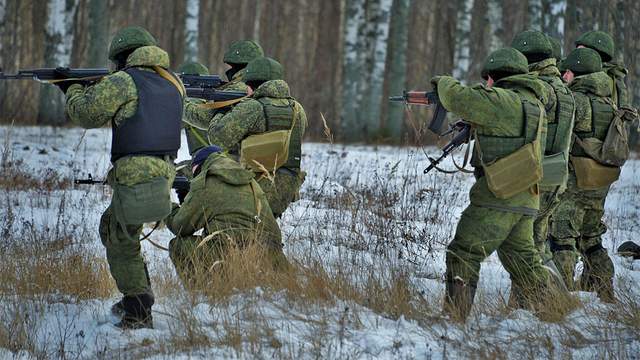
(227, 204)
(269, 110)
(602, 42)
(237, 56)
(143, 102)
(507, 117)
(578, 220)
(560, 110)
(196, 137)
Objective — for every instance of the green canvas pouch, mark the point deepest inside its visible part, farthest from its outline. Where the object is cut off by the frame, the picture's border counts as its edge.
(142, 203)
(554, 171)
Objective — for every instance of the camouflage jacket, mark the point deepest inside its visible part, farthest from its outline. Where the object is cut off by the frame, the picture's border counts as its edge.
(492, 112)
(223, 198)
(115, 99)
(547, 68)
(598, 84)
(247, 117)
(619, 90)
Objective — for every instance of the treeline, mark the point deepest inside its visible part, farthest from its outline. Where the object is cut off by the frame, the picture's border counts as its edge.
(342, 58)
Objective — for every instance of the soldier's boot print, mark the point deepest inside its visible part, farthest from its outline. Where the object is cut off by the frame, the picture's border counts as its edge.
(597, 274)
(459, 299)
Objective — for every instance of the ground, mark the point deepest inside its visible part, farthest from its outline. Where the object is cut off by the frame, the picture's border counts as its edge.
(368, 236)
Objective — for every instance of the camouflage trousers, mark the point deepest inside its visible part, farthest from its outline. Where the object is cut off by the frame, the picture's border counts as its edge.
(283, 190)
(549, 201)
(480, 232)
(577, 225)
(126, 264)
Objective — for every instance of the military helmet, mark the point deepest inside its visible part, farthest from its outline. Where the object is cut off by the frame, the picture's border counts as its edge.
(583, 61)
(242, 52)
(533, 44)
(557, 48)
(193, 68)
(263, 69)
(128, 38)
(599, 41)
(506, 61)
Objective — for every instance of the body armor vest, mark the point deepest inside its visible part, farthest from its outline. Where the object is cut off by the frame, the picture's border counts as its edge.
(155, 127)
(602, 113)
(496, 147)
(620, 92)
(279, 115)
(559, 122)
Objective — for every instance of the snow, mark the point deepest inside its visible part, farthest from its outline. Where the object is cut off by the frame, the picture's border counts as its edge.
(418, 212)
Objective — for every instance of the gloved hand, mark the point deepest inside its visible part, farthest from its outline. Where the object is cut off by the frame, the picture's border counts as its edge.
(435, 80)
(65, 84)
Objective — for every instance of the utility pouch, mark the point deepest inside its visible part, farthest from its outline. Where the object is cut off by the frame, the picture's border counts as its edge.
(518, 171)
(142, 203)
(268, 151)
(554, 170)
(591, 175)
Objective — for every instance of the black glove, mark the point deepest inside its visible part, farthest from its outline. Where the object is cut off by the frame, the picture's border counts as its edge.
(181, 195)
(65, 84)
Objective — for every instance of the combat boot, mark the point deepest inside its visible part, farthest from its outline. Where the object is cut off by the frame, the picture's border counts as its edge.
(565, 259)
(117, 309)
(597, 274)
(458, 300)
(137, 312)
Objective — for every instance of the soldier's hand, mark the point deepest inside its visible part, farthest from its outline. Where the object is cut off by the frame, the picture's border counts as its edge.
(435, 80)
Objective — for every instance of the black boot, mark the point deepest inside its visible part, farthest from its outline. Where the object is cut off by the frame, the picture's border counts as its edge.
(137, 312)
(597, 274)
(458, 300)
(117, 309)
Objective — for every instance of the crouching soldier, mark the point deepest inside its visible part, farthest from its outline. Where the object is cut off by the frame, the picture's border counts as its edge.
(265, 131)
(508, 118)
(227, 204)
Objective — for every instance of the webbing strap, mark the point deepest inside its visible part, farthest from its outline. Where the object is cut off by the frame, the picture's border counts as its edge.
(221, 104)
(257, 202)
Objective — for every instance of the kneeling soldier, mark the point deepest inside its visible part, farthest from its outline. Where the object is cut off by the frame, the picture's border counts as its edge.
(227, 204)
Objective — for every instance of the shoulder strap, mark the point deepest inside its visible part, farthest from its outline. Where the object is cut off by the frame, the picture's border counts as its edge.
(171, 78)
(256, 201)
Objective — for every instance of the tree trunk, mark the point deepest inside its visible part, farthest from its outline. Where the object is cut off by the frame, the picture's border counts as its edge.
(354, 20)
(191, 30)
(98, 42)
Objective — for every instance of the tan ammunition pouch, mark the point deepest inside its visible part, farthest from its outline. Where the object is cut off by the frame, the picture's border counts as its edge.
(518, 171)
(591, 175)
(267, 151)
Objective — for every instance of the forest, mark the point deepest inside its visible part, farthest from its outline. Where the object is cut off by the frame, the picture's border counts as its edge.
(342, 58)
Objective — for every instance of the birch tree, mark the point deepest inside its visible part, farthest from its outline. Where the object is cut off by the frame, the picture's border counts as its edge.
(354, 21)
(58, 42)
(191, 30)
(463, 35)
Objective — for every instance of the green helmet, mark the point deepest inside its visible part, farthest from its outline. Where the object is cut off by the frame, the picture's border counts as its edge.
(533, 44)
(505, 61)
(193, 68)
(131, 37)
(557, 48)
(599, 41)
(263, 69)
(242, 52)
(583, 61)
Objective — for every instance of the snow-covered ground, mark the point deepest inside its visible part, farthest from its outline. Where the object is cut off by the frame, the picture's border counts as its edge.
(363, 209)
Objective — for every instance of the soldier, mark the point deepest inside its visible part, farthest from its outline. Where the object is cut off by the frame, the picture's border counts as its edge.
(196, 136)
(506, 115)
(143, 102)
(602, 42)
(227, 203)
(578, 220)
(270, 108)
(560, 111)
(239, 54)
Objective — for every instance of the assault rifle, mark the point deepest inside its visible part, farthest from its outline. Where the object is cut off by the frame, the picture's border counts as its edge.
(463, 133)
(180, 183)
(66, 74)
(213, 94)
(425, 98)
(461, 129)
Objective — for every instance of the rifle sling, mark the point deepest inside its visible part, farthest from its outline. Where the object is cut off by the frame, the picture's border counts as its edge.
(220, 104)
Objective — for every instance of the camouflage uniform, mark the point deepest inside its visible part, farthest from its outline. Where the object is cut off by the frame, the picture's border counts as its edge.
(248, 118)
(489, 223)
(541, 52)
(577, 222)
(238, 55)
(222, 200)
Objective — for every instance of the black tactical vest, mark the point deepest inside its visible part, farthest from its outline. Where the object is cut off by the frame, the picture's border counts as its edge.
(155, 127)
